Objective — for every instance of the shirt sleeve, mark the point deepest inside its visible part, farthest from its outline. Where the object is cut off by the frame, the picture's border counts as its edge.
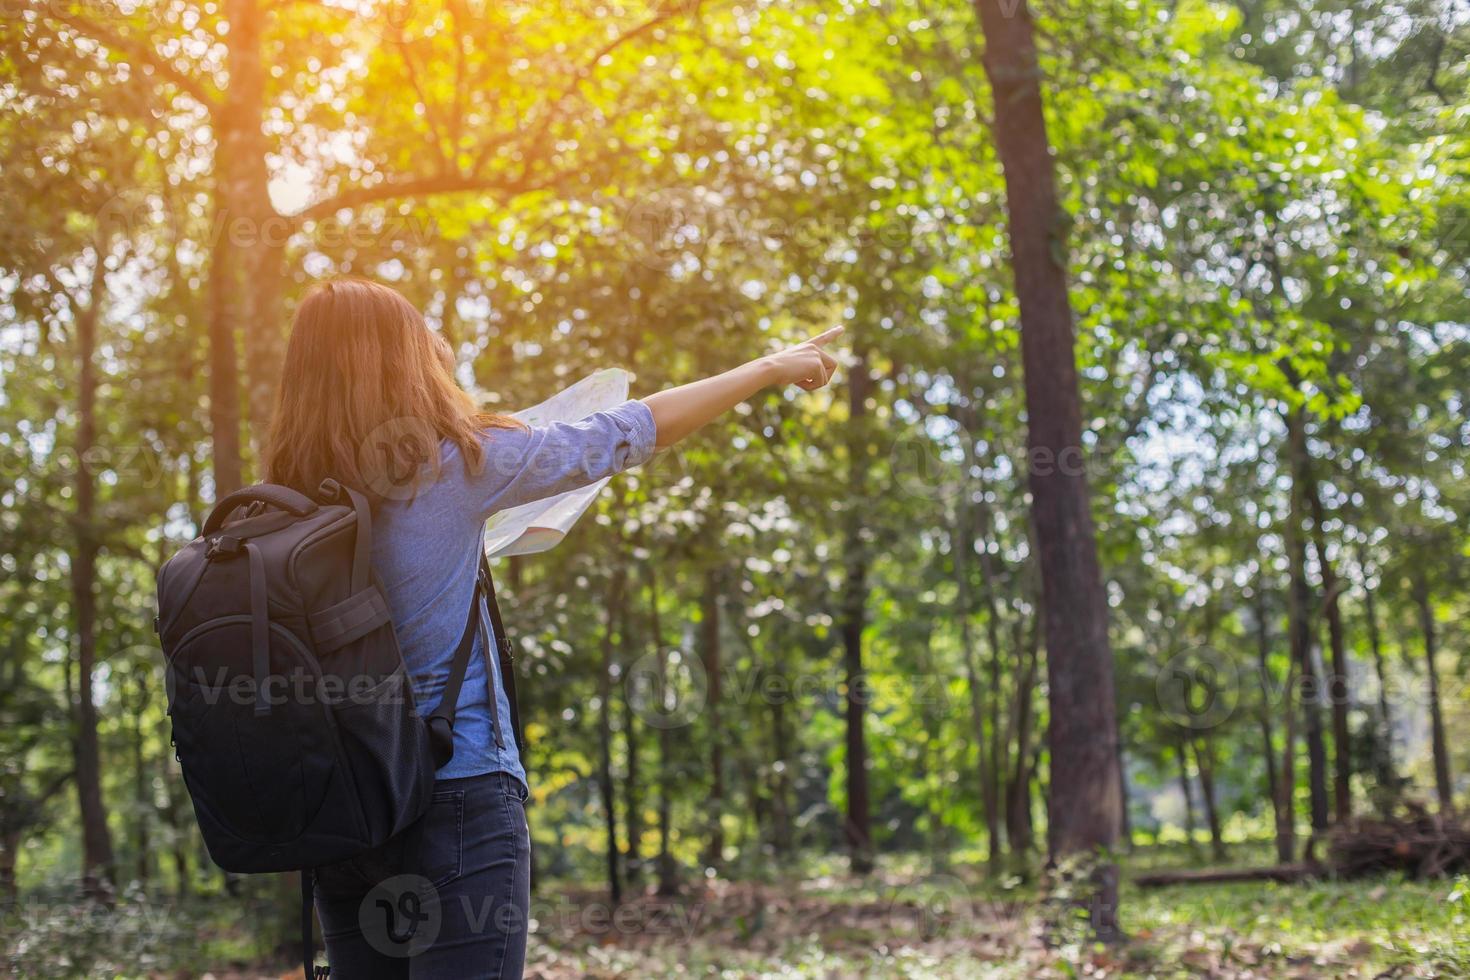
(522, 465)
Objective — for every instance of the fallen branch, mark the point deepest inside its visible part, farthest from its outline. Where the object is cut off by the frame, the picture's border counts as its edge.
(1285, 873)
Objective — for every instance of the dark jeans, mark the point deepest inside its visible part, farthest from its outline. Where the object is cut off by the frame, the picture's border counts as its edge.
(449, 897)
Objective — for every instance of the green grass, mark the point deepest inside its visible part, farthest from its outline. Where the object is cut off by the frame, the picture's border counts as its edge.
(903, 921)
(59, 936)
(1367, 926)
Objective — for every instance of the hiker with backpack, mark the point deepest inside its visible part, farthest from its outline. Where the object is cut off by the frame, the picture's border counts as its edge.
(341, 687)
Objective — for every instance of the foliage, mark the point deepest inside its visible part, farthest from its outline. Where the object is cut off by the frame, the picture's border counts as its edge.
(1265, 220)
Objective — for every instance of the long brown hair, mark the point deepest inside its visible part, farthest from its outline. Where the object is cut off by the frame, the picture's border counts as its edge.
(367, 395)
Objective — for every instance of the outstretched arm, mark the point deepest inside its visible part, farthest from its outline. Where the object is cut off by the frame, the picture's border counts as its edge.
(677, 412)
(521, 465)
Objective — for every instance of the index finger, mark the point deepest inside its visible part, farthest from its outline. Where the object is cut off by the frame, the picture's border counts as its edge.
(827, 336)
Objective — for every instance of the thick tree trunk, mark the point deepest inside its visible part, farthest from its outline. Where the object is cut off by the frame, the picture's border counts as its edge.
(1084, 807)
(858, 825)
(1309, 688)
(710, 647)
(1337, 678)
(99, 871)
(1443, 787)
(256, 232)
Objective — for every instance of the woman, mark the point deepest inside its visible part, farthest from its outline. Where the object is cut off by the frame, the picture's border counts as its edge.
(368, 397)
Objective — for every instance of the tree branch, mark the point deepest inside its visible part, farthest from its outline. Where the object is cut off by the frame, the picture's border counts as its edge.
(430, 116)
(444, 183)
(461, 183)
(585, 71)
(136, 50)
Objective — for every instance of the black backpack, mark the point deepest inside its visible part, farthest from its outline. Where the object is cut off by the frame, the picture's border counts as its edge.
(292, 713)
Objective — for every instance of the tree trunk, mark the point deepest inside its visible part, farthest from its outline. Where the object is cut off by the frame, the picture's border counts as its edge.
(1084, 807)
(99, 871)
(142, 781)
(1387, 775)
(992, 786)
(176, 831)
(1204, 760)
(251, 223)
(1309, 689)
(1280, 812)
(1126, 830)
(710, 643)
(759, 810)
(1286, 791)
(224, 364)
(986, 762)
(929, 762)
(1018, 788)
(973, 523)
(667, 878)
(605, 784)
(1443, 788)
(632, 787)
(9, 888)
(1187, 788)
(854, 600)
(781, 839)
(1337, 679)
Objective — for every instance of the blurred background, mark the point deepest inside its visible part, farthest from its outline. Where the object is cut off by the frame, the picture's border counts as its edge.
(787, 687)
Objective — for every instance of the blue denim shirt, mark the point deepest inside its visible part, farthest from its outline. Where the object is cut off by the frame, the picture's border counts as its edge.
(426, 549)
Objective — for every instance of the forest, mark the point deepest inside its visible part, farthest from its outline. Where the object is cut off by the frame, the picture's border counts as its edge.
(1102, 618)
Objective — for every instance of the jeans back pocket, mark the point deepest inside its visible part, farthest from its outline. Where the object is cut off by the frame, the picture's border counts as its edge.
(441, 838)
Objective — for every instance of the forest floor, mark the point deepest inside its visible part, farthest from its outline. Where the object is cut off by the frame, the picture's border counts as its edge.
(893, 924)
(941, 929)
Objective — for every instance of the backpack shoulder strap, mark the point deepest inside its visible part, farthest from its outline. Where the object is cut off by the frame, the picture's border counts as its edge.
(507, 661)
(441, 722)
